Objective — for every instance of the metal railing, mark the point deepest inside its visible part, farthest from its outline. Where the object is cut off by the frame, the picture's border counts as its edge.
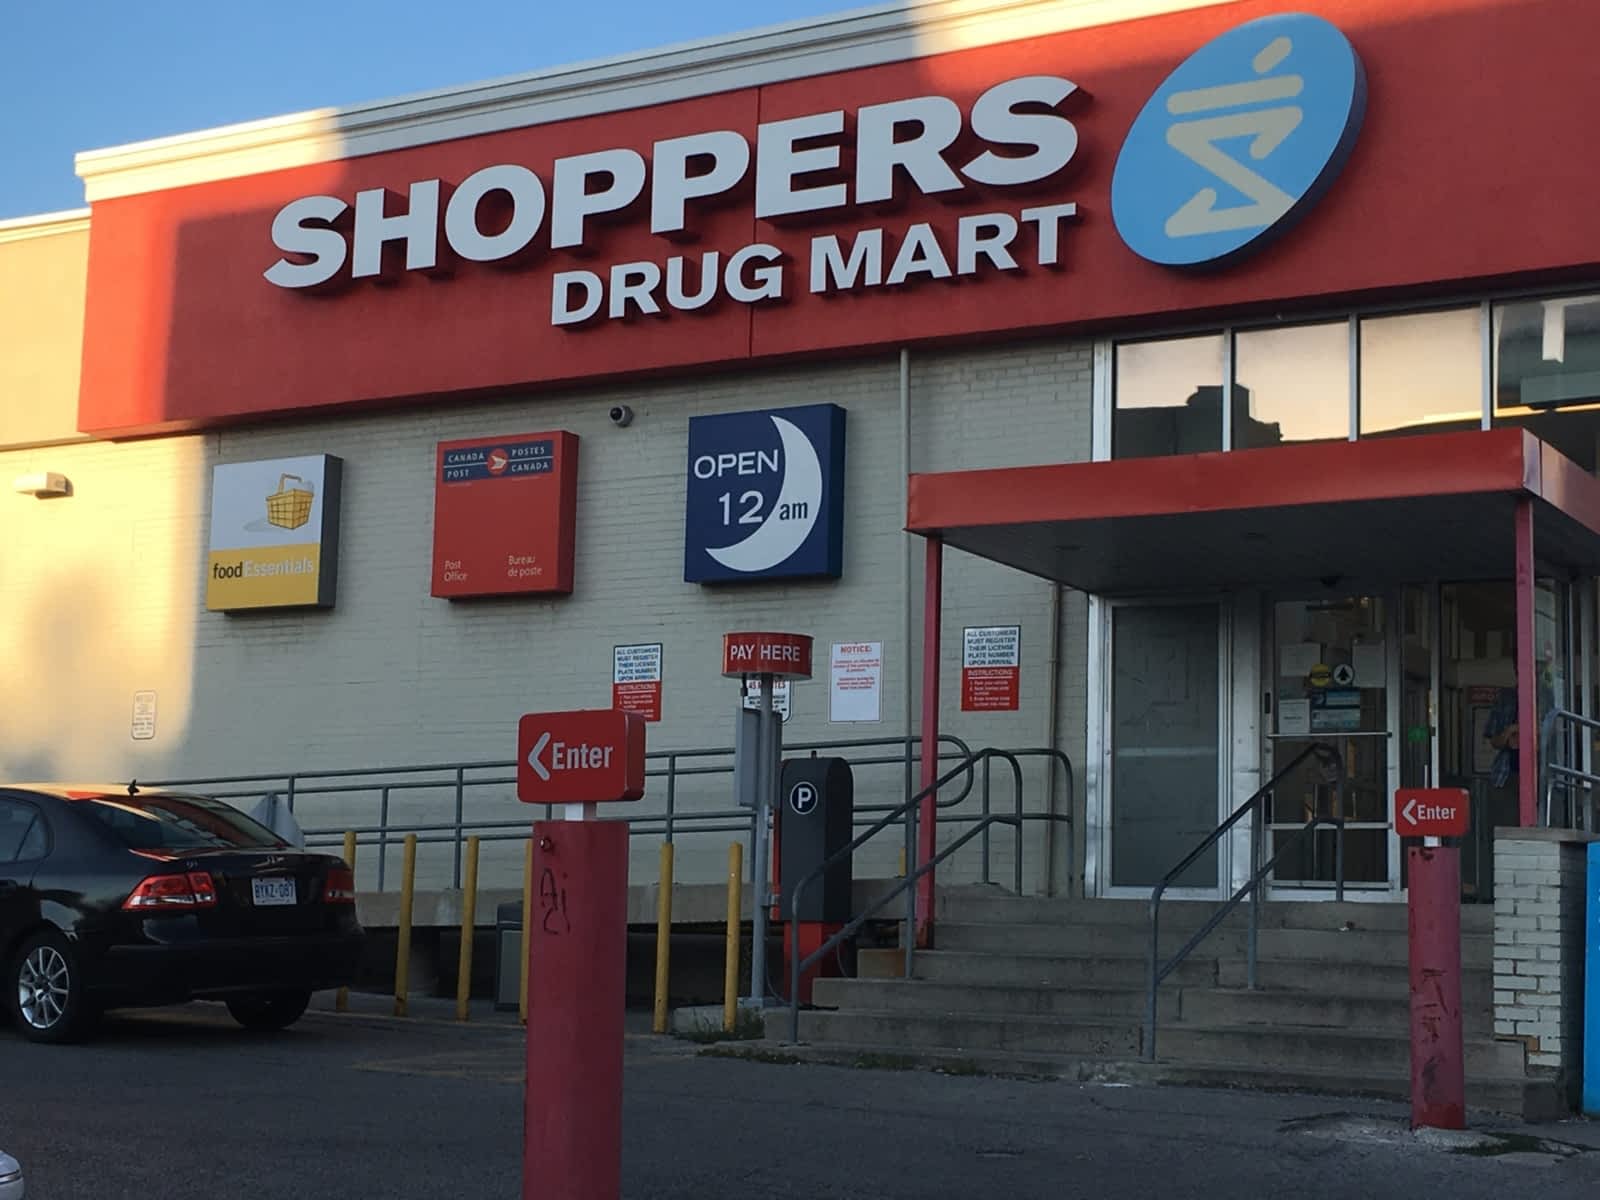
(1560, 736)
(907, 815)
(1255, 807)
(465, 782)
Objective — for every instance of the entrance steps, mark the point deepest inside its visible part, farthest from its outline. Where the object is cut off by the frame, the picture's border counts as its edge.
(1057, 989)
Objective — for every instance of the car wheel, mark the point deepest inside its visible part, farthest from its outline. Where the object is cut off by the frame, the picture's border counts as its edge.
(269, 1012)
(45, 986)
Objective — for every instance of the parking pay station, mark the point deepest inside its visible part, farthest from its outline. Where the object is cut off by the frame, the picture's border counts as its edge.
(816, 809)
(762, 659)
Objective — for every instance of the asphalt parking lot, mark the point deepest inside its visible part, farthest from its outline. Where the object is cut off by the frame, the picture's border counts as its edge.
(182, 1104)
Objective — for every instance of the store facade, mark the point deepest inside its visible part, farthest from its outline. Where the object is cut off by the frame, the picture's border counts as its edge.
(393, 424)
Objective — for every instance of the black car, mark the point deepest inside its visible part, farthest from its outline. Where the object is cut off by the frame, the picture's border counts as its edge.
(117, 897)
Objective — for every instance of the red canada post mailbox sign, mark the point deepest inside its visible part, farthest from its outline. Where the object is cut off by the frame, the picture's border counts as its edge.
(1431, 812)
(589, 756)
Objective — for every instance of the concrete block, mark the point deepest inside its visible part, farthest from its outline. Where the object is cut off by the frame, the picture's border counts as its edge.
(1539, 969)
(1538, 908)
(1513, 926)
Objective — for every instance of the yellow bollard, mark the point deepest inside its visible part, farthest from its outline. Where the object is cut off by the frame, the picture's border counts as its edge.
(663, 937)
(527, 926)
(469, 926)
(402, 953)
(341, 1000)
(730, 963)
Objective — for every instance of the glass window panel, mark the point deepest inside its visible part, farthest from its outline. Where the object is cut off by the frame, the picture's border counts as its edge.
(1291, 385)
(1547, 371)
(1168, 397)
(1422, 372)
(1165, 751)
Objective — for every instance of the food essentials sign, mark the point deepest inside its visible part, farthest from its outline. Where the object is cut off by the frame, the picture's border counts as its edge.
(1190, 161)
(274, 534)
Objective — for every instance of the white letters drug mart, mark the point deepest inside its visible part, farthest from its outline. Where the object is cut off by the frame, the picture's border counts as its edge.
(1011, 137)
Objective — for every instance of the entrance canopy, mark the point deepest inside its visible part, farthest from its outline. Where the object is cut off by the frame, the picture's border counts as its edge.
(1394, 510)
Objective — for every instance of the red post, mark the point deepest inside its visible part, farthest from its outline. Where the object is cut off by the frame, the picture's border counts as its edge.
(1438, 1057)
(1527, 672)
(928, 814)
(577, 975)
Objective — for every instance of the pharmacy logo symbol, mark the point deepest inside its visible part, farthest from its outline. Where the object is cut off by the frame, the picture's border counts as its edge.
(1243, 138)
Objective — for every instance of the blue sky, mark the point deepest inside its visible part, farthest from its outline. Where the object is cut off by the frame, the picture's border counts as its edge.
(96, 73)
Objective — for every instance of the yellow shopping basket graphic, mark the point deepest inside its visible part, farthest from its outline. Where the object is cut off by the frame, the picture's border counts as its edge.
(289, 507)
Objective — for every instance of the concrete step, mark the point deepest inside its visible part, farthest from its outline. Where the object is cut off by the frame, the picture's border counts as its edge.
(1319, 945)
(920, 997)
(1535, 1098)
(1132, 971)
(1352, 979)
(1286, 1047)
(1389, 1013)
(988, 904)
(1204, 1006)
(1083, 970)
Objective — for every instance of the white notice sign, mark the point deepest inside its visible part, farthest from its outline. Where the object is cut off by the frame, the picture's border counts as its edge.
(144, 716)
(780, 696)
(855, 682)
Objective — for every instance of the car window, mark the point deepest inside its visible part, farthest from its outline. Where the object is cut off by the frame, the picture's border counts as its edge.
(22, 832)
(177, 823)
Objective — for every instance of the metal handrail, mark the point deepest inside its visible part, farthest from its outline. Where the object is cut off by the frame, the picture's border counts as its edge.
(669, 765)
(913, 874)
(1567, 775)
(1253, 807)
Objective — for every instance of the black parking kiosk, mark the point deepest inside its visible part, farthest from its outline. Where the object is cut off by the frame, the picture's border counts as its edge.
(816, 812)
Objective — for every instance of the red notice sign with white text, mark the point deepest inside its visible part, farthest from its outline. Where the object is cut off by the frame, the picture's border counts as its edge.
(991, 668)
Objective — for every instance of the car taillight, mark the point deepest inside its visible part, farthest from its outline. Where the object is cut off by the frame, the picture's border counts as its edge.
(196, 889)
(341, 886)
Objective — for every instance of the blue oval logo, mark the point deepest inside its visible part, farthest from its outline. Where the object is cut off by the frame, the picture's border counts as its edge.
(1239, 141)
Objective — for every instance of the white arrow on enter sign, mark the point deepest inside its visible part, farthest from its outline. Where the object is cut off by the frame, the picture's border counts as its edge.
(1409, 812)
(539, 769)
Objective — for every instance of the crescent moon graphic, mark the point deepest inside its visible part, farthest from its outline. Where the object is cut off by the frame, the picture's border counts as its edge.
(801, 492)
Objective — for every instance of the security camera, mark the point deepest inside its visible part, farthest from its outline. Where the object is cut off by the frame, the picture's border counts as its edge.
(621, 416)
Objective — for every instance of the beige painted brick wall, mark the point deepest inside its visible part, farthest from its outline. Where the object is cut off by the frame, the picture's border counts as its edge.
(102, 594)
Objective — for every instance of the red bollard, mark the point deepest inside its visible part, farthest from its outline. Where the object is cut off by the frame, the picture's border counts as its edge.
(577, 978)
(1438, 1057)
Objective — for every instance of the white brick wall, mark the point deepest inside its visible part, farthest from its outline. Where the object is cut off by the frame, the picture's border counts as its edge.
(1539, 943)
(101, 594)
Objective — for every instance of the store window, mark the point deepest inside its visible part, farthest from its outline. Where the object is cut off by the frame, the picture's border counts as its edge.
(1291, 385)
(1168, 397)
(1422, 372)
(1547, 371)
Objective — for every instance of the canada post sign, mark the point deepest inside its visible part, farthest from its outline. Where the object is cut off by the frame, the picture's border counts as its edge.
(504, 515)
(765, 495)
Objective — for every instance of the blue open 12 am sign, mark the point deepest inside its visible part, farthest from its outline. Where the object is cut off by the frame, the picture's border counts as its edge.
(766, 495)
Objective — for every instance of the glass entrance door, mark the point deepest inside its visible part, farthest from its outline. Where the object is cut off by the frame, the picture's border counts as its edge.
(1335, 677)
(1164, 739)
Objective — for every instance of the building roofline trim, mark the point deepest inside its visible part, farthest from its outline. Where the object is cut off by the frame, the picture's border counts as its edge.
(860, 38)
(18, 229)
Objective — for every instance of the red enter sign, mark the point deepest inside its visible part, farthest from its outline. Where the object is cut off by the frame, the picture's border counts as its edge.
(1431, 812)
(589, 756)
